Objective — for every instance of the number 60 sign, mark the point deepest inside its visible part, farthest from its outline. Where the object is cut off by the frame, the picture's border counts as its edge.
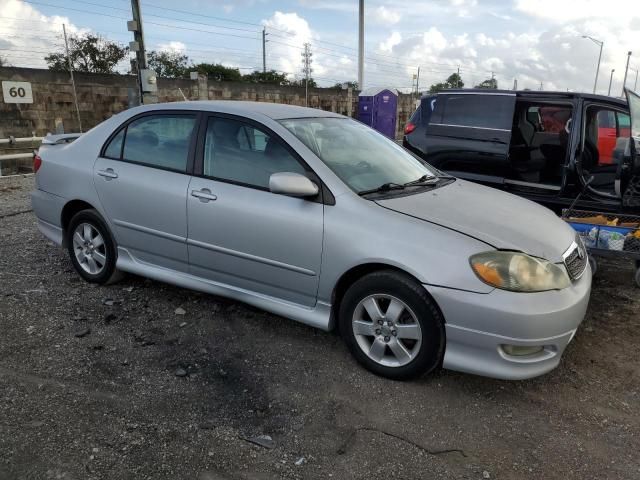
(17, 92)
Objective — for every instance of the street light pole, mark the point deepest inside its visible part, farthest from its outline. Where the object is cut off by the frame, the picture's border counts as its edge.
(361, 45)
(611, 80)
(626, 71)
(597, 42)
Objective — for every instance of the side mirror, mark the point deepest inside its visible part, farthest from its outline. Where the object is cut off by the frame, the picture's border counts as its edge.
(292, 184)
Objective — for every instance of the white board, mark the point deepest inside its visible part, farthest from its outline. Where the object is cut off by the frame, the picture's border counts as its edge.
(17, 92)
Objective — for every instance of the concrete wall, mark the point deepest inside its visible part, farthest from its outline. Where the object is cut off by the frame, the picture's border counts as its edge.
(101, 96)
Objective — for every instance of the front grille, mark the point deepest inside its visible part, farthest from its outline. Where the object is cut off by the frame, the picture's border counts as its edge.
(576, 259)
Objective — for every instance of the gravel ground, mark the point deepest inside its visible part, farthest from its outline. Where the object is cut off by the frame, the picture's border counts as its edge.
(111, 382)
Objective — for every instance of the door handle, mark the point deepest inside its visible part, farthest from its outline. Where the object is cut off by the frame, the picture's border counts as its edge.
(204, 195)
(108, 174)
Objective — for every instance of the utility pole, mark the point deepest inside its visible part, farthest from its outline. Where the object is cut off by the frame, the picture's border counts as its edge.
(540, 86)
(306, 69)
(361, 45)
(264, 49)
(147, 82)
(610, 81)
(418, 83)
(601, 44)
(458, 79)
(626, 71)
(73, 82)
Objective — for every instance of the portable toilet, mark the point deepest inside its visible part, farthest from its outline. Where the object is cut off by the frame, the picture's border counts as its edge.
(377, 107)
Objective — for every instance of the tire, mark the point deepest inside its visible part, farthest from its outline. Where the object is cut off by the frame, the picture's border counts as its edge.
(637, 277)
(594, 266)
(411, 320)
(93, 254)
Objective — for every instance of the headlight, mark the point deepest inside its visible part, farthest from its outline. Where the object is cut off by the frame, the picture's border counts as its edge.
(519, 272)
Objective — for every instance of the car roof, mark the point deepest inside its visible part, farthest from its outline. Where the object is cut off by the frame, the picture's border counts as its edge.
(538, 94)
(276, 111)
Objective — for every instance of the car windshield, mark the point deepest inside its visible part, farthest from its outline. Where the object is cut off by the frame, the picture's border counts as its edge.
(360, 156)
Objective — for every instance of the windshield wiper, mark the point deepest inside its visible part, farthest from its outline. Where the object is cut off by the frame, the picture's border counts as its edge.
(423, 180)
(385, 187)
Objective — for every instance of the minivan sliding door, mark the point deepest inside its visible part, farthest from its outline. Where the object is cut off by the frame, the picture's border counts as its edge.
(469, 134)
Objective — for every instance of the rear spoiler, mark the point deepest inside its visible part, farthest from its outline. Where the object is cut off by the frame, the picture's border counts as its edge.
(59, 139)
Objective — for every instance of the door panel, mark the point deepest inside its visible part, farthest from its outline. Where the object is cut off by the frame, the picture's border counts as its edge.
(629, 173)
(256, 240)
(142, 184)
(469, 135)
(147, 207)
(242, 235)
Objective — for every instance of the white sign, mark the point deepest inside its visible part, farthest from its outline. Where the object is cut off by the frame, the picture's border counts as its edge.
(17, 92)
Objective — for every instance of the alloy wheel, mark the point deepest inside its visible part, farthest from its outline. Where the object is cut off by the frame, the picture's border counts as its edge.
(386, 330)
(89, 248)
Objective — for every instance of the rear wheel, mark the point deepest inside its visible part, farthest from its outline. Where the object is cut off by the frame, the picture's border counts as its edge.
(91, 247)
(392, 325)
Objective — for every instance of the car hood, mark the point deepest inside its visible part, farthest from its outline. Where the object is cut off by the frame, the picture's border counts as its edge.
(498, 218)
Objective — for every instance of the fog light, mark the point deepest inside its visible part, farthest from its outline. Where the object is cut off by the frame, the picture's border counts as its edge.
(520, 350)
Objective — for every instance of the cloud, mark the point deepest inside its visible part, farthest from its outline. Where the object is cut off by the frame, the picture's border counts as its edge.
(563, 11)
(27, 36)
(338, 6)
(285, 53)
(394, 39)
(382, 15)
(173, 46)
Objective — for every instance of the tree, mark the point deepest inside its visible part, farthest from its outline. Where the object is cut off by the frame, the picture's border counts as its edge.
(218, 72)
(353, 85)
(489, 83)
(3, 62)
(302, 83)
(89, 53)
(168, 64)
(454, 81)
(270, 76)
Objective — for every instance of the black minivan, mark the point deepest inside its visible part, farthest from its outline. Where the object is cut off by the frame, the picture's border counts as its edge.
(546, 146)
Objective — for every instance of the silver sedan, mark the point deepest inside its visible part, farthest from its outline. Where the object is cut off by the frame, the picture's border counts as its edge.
(318, 218)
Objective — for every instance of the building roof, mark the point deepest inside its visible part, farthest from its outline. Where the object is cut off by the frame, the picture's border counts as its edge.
(373, 91)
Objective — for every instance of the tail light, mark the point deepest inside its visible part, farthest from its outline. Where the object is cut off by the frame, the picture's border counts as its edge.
(409, 127)
(37, 163)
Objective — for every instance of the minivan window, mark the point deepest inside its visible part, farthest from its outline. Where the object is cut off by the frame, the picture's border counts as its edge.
(478, 111)
(361, 157)
(159, 141)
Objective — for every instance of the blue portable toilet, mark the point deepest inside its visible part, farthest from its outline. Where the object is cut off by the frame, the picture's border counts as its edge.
(377, 107)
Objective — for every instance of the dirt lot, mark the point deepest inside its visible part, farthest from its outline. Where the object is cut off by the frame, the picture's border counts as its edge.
(89, 390)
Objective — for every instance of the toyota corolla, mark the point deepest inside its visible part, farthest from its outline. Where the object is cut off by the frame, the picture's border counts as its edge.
(318, 218)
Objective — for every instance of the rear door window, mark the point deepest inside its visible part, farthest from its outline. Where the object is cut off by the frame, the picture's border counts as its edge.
(159, 141)
(475, 111)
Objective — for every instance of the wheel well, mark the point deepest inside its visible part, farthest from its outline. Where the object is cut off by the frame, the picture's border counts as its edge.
(70, 209)
(350, 276)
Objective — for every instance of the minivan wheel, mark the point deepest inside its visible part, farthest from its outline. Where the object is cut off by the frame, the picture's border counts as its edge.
(392, 326)
(91, 247)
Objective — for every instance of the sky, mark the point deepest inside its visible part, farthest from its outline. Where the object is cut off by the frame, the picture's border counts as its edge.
(539, 43)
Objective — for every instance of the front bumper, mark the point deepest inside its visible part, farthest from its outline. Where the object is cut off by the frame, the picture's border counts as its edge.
(478, 325)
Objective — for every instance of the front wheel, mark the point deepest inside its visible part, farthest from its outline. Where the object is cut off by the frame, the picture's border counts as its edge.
(91, 247)
(392, 326)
